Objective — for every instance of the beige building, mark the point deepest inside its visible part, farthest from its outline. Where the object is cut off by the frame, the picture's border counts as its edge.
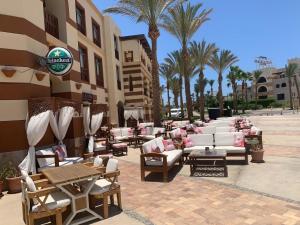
(28, 30)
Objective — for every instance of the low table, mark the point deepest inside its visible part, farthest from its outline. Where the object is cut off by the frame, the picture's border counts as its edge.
(208, 163)
(135, 141)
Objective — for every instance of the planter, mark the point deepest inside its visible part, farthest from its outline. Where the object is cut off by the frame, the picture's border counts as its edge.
(257, 156)
(1, 187)
(8, 72)
(14, 185)
(213, 113)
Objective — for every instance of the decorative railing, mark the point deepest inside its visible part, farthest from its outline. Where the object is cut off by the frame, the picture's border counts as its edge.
(51, 24)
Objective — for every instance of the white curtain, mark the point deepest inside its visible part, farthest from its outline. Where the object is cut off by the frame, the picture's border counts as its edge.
(95, 125)
(86, 120)
(35, 130)
(60, 126)
(134, 113)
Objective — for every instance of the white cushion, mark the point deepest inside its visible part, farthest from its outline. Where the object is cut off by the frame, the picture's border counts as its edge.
(116, 132)
(231, 149)
(99, 147)
(120, 138)
(147, 146)
(160, 144)
(172, 156)
(54, 201)
(209, 130)
(156, 130)
(227, 138)
(202, 139)
(225, 129)
(200, 148)
(98, 161)
(112, 165)
(100, 187)
(30, 184)
(43, 162)
(149, 137)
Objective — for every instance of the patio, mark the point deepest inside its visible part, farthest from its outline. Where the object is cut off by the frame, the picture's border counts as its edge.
(254, 194)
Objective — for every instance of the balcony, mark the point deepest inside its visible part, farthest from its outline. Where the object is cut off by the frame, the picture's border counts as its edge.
(85, 74)
(51, 24)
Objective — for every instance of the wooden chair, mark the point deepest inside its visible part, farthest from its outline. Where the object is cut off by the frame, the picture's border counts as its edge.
(106, 188)
(41, 200)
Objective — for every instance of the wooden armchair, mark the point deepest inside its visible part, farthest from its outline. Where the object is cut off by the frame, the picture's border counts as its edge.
(40, 200)
(107, 187)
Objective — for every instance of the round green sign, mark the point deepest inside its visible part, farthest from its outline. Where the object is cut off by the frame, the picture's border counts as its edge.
(59, 61)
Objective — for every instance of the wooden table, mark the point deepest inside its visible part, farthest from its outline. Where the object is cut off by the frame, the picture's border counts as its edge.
(65, 178)
(208, 163)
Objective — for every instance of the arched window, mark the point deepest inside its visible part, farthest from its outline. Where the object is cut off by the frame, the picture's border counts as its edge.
(130, 83)
(283, 85)
(262, 80)
(262, 89)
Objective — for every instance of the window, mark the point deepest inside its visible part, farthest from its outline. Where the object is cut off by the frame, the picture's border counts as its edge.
(262, 80)
(99, 71)
(83, 59)
(277, 86)
(283, 85)
(118, 78)
(128, 56)
(80, 18)
(130, 83)
(116, 47)
(262, 89)
(280, 97)
(96, 33)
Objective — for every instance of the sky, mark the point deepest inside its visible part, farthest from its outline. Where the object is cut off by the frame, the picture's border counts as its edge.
(249, 28)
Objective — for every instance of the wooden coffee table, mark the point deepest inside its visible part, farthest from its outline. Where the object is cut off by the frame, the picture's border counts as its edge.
(208, 163)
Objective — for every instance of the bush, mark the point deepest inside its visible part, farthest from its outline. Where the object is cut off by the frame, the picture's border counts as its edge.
(277, 105)
(265, 103)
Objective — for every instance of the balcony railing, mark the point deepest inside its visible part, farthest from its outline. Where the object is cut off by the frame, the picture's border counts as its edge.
(84, 74)
(51, 24)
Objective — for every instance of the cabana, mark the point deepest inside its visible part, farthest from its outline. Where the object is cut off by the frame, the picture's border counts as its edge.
(133, 115)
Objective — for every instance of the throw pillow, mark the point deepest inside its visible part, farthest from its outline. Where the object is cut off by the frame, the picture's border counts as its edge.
(143, 131)
(168, 145)
(156, 150)
(188, 142)
(60, 152)
(239, 141)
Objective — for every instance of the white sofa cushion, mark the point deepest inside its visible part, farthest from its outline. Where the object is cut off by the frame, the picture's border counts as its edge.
(149, 137)
(231, 149)
(160, 144)
(225, 129)
(116, 132)
(200, 148)
(227, 138)
(202, 139)
(172, 156)
(43, 162)
(148, 146)
(54, 201)
(120, 138)
(208, 130)
(157, 130)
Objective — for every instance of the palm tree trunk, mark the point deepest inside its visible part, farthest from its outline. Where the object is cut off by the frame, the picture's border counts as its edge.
(154, 34)
(256, 96)
(176, 100)
(220, 94)
(290, 90)
(168, 93)
(234, 90)
(202, 98)
(243, 95)
(187, 84)
(211, 91)
(297, 89)
(181, 95)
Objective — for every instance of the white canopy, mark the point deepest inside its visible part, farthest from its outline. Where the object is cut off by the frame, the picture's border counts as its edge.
(135, 113)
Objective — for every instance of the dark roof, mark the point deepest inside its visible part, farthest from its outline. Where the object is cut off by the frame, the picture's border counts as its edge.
(143, 40)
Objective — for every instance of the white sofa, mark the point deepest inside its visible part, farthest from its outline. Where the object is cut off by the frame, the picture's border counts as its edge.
(48, 158)
(144, 125)
(163, 161)
(225, 129)
(200, 142)
(121, 134)
(219, 141)
(152, 132)
(180, 124)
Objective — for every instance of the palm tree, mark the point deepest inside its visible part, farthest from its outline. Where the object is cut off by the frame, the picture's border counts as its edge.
(232, 77)
(220, 62)
(183, 21)
(201, 54)
(290, 71)
(175, 88)
(255, 77)
(211, 84)
(150, 12)
(167, 72)
(197, 90)
(174, 59)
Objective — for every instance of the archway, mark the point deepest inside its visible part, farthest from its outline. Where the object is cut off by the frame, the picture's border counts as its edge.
(262, 80)
(262, 89)
(121, 118)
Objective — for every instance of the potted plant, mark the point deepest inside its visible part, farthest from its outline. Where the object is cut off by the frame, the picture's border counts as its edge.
(256, 152)
(13, 178)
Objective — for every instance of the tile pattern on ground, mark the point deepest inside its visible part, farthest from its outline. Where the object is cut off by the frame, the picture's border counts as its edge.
(185, 200)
